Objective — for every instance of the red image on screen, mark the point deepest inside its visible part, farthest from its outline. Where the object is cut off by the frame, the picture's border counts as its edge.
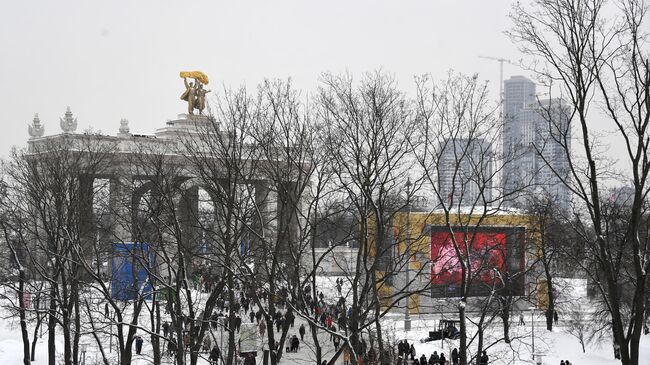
(487, 251)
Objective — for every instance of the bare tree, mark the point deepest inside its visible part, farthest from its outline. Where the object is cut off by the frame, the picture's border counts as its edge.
(579, 325)
(462, 163)
(549, 233)
(369, 132)
(52, 183)
(587, 56)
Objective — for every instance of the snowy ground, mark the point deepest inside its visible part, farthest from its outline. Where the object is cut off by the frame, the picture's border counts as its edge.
(556, 346)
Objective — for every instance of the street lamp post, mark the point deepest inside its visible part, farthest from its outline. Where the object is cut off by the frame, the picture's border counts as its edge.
(532, 327)
(407, 315)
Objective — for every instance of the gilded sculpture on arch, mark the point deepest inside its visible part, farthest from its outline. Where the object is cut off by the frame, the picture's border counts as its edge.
(194, 93)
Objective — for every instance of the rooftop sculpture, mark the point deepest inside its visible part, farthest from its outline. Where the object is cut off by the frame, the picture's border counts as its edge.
(194, 93)
(36, 129)
(68, 122)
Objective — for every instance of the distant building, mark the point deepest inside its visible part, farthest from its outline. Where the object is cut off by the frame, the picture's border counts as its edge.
(535, 135)
(465, 172)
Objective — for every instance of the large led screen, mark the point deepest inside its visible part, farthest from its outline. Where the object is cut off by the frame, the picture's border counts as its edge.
(495, 256)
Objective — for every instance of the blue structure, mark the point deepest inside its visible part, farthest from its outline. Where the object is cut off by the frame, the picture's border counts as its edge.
(129, 271)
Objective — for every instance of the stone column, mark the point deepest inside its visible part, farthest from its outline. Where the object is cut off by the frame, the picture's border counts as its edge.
(287, 208)
(87, 224)
(265, 200)
(264, 223)
(188, 215)
(287, 227)
(121, 208)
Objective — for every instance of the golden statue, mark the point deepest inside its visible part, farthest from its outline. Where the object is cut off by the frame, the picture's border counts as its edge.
(194, 92)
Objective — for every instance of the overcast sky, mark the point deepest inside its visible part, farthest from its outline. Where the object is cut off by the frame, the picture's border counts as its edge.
(120, 59)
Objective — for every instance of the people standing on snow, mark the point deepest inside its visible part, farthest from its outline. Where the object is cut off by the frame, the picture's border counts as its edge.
(555, 317)
(454, 356)
(435, 357)
(432, 360)
(412, 352)
(400, 348)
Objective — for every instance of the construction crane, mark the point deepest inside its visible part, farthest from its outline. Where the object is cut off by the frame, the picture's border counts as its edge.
(501, 61)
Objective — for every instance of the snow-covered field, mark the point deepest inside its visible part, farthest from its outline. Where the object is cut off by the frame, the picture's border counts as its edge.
(557, 345)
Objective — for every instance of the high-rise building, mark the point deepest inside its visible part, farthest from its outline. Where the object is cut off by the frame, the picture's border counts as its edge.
(465, 172)
(536, 138)
(518, 93)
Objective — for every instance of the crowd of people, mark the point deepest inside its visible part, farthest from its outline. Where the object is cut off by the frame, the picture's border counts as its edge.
(408, 356)
(330, 314)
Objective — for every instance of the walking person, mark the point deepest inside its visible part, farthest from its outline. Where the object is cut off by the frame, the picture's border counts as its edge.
(165, 328)
(207, 343)
(138, 344)
(555, 317)
(214, 355)
(171, 347)
(262, 328)
(346, 356)
(301, 331)
(484, 358)
(186, 340)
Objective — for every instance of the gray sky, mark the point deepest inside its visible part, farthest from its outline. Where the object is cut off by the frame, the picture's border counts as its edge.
(120, 59)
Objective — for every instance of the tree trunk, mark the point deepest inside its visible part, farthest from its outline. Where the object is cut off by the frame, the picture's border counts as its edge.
(463, 334)
(505, 318)
(51, 328)
(67, 338)
(23, 320)
(638, 320)
(383, 358)
(549, 286)
(317, 346)
(155, 330)
(77, 326)
(479, 346)
(39, 322)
